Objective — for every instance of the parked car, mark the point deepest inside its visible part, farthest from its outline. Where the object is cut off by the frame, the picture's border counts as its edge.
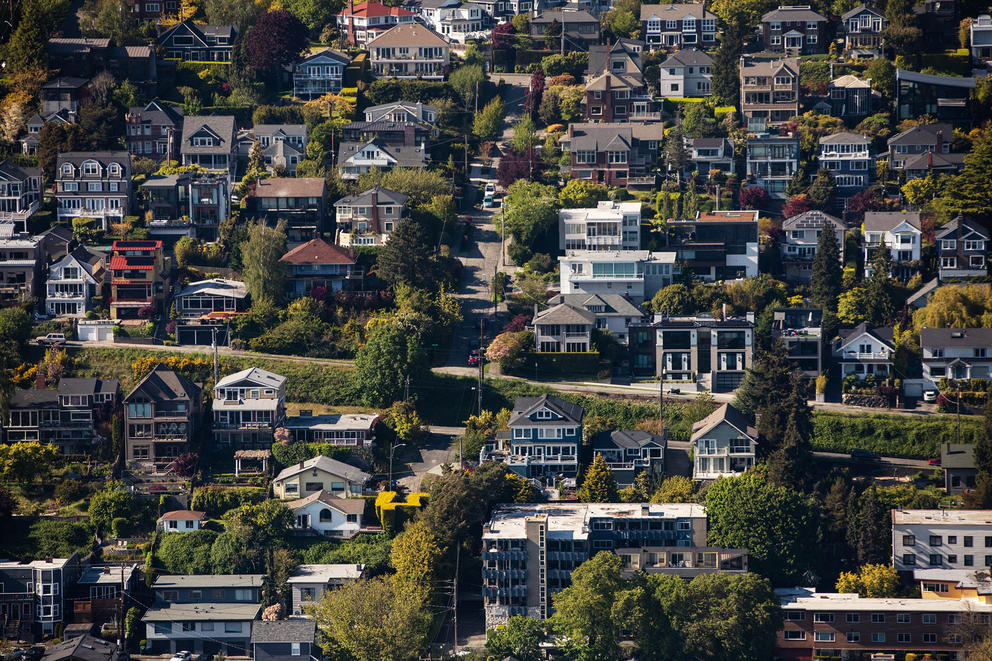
(490, 189)
(488, 201)
(51, 340)
(182, 656)
(864, 455)
(473, 357)
(933, 462)
(929, 395)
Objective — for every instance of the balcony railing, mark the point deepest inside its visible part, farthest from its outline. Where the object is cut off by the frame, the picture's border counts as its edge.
(867, 355)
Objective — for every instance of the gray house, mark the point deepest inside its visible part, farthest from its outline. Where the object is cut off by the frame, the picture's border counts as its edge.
(309, 582)
(724, 444)
(958, 463)
(629, 452)
(283, 640)
(564, 328)
(686, 74)
(801, 240)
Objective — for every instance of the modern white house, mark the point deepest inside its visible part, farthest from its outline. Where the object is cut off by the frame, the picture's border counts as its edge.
(341, 429)
(309, 582)
(247, 407)
(181, 521)
(636, 274)
(73, 281)
(724, 444)
(455, 20)
(901, 232)
(686, 74)
(945, 539)
(608, 226)
(330, 516)
(865, 351)
(956, 353)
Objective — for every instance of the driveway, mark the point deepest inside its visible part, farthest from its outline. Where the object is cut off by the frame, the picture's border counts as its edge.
(411, 464)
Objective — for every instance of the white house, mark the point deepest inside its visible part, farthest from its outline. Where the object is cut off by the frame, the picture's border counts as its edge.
(685, 74)
(248, 406)
(73, 281)
(723, 444)
(899, 231)
(323, 514)
(343, 429)
(608, 226)
(637, 274)
(956, 353)
(357, 158)
(946, 539)
(455, 20)
(612, 313)
(215, 295)
(864, 350)
(181, 521)
(319, 474)
(309, 582)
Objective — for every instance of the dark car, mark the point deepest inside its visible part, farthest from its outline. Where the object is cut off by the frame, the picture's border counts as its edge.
(864, 455)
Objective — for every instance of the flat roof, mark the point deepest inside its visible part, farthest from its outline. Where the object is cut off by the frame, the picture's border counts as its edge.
(173, 581)
(202, 611)
(942, 517)
(108, 575)
(325, 573)
(809, 599)
(571, 520)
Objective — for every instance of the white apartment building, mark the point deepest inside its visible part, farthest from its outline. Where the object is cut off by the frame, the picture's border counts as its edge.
(637, 274)
(608, 226)
(456, 21)
(945, 539)
(248, 406)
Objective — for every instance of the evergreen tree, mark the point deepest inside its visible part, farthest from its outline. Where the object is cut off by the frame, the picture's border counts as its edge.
(972, 193)
(27, 44)
(599, 485)
(821, 191)
(827, 270)
(676, 155)
(983, 447)
(869, 528)
(768, 379)
(406, 257)
(725, 83)
(790, 464)
(878, 288)
(691, 205)
(256, 162)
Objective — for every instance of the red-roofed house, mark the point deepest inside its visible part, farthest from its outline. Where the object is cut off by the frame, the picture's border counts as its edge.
(318, 263)
(137, 271)
(364, 22)
(181, 521)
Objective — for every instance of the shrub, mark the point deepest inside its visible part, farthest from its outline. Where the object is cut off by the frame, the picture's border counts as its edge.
(146, 312)
(120, 527)
(888, 435)
(217, 500)
(69, 491)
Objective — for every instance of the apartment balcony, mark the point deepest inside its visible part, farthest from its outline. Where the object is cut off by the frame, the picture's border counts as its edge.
(20, 215)
(846, 156)
(862, 355)
(242, 425)
(67, 296)
(637, 182)
(644, 116)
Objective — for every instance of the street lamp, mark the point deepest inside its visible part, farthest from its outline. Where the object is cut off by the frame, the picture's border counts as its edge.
(392, 449)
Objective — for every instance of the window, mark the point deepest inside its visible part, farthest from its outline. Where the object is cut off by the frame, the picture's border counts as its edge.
(853, 618)
(878, 618)
(294, 649)
(936, 560)
(823, 637)
(794, 616)
(189, 626)
(909, 558)
(935, 587)
(904, 618)
(929, 618)
(232, 627)
(952, 559)
(904, 637)
(969, 541)
(206, 626)
(314, 486)
(791, 634)
(91, 167)
(929, 637)
(953, 618)
(163, 627)
(935, 540)
(952, 539)
(853, 637)
(823, 617)
(909, 540)
(969, 561)
(974, 245)
(243, 595)
(877, 637)
(139, 410)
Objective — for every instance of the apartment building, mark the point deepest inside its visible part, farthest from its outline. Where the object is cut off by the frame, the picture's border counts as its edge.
(21, 261)
(32, 595)
(320, 73)
(161, 415)
(609, 226)
(962, 246)
(686, 74)
(361, 23)
(138, 275)
(899, 232)
(772, 162)
(154, 130)
(709, 352)
(677, 26)
(795, 30)
(862, 28)
(769, 92)
(800, 241)
(636, 274)
(849, 158)
(367, 219)
(410, 51)
(615, 154)
(20, 196)
(529, 551)
(717, 245)
(943, 539)
(956, 353)
(95, 185)
(801, 331)
(248, 406)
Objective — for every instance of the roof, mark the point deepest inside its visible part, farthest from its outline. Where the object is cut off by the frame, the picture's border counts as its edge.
(965, 225)
(290, 187)
(957, 455)
(979, 580)
(221, 126)
(921, 296)
(370, 9)
(106, 575)
(202, 611)
(81, 648)
(626, 438)
(103, 157)
(414, 108)
(164, 384)
(884, 221)
(813, 219)
(934, 161)
(77, 45)
(524, 406)
(922, 134)
(849, 81)
(345, 505)
(183, 515)
(956, 337)
(318, 251)
(725, 413)
(618, 135)
(932, 79)
(883, 334)
(737, 216)
(131, 263)
(10, 170)
(87, 386)
(384, 196)
(403, 155)
(843, 138)
(614, 304)
(255, 374)
(35, 398)
(328, 465)
(573, 17)
(675, 11)
(198, 581)
(325, 573)
(563, 313)
(942, 517)
(216, 287)
(860, 8)
(65, 83)
(688, 57)
(809, 599)
(569, 520)
(770, 67)
(296, 630)
(157, 112)
(285, 129)
(332, 421)
(794, 13)
(407, 34)
(343, 58)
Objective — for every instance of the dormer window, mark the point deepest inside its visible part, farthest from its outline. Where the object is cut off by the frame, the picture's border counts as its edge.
(67, 170)
(114, 170)
(91, 167)
(544, 414)
(203, 142)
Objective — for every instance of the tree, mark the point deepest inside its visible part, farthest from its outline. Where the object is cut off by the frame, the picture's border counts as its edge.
(582, 194)
(375, 620)
(872, 581)
(112, 19)
(983, 444)
(186, 552)
(278, 38)
(461, 501)
(675, 155)
(767, 380)
(534, 93)
(406, 257)
(882, 74)
(260, 256)
(385, 362)
(796, 205)
(623, 20)
(415, 555)
(465, 80)
(488, 122)
(26, 461)
(868, 527)
(725, 77)
(673, 300)
(313, 13)
(584, 610)
(754, 197)
(256, 161)
(185, 464)
(821, 191)
(27, 44)
(520, 638)
(599, 485)
(242, 13)
(878, 288)
(523, 134)
(675, 489)
(531, 215)
(971, 193)
(828, 273)
(550, 109)
(852, 306)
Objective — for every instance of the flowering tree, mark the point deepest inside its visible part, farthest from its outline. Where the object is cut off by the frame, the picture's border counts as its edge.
(517, 324)
(185, 464)
(507, 349)
(503, 35)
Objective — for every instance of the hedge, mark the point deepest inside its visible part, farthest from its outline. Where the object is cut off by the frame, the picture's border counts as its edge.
(557, 364)
(217, 500)
(889, 435)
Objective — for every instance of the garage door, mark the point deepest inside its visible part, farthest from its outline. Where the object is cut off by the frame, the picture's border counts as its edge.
(202, 335)
(95, 332)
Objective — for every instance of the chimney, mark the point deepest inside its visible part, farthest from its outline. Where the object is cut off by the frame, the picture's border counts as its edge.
(645, 509)
(351, 22)
(410, 135)
(929, 160)
(375, 209)
(301, 465)
(940, 141)
(723, 311)
(39, 380)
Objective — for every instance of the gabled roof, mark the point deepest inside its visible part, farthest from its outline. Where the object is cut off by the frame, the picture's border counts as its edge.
(65, 83)
(296, 630)
(626, 438)
(726, 413)
(860, 8)
(770, 67)
(257, 375)
(922, 134)
(688, 57)
(813, 219)
(329, 53)
(564, 313)
(219, 126)
(844, 138)
(599, 136)
(400, 155)
(343, 505)
(87, 386)
(573, 17)
(93, 264)
(965, 225)
(163, 384)
(318, 251)
(384, 196)
(524, 406)
(615, 304)
(158, 112)
(676, 11)
(408, 34)
(10, 171)
(795, 13)
(883, 334)
(183, 515)
(921, 296)
(609, 80)
(216, 287)
(956, 337)
(370, 9)
(884, 221)
(328, 465)
(416, 109)
(83, 648)
(847, 81)
(934, 161)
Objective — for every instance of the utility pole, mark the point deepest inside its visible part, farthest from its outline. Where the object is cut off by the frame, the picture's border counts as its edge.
(120, 621)
(213, 333)
(482, 360)
(958, 383)
(458, 556)
(502, 235)
(406, 389)
(466, 157)
(562, 31)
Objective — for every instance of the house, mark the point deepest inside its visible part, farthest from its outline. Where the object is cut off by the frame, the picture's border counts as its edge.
(981, 38)
(367, 219)
(180, 521)
(772, 162)
(921, 297)
(901, 232)
(622, 56)
(456, 21)
(66, 417)
(283, 145)
(198, 42)
(359, 24)
(318, 263)
(849, 158)
(942, 539)
(410, 51)
(614, 313)
(615, 154)
(93, 184)
(654, 538)
(34, 595)
(580, 29)
(154, 130)
(97, 593)
(358, 158)
(20, 196)
(402, 111)
(946, 584)
(849, 97)
(138, 276)
(389, 132)
(629, 452)
(609, 226)
(30, 141)
(214, 295)
(152, 10)
(636, 274)
(338, 429)
(189, 204)
(87, 57)
(718, 245)
(686, 73)
(319, 73)
(73, 281)
(563, 328)
(545, 435)
(678, 26)
(921, 165)
(769, 92)
(161, 415)
(723, 444)
(324, 514)
(204, 614)
(313, 475)
(862, 29)
(939, 20)
(865, 351)
(21, 262)
(800, 240)
(248, 406)
(83, 648)
(708, 154)
(919, 140)
(801, 331)
(962, 245)
(284, 640)
(709, 352)
(618, 97)
(64, 93)
(955, 353)
(209, 142)
(795, 30)
(957, 461)
(948, 98)
(300, 201)
(309, 582)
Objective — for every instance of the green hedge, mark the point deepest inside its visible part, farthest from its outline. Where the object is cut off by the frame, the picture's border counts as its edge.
(889, 435)
(548, 364)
